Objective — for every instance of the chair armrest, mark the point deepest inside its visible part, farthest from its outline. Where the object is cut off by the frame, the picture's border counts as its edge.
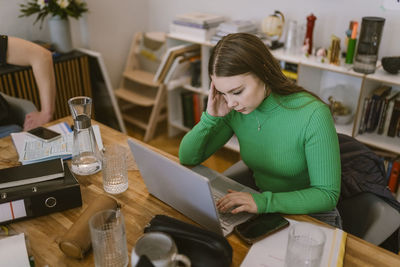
(237, 171)
(19, 108)
(369, 217)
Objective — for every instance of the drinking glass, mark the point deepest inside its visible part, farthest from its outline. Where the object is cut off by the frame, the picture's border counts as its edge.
(107, 231)
(115, 175)
(305, 246)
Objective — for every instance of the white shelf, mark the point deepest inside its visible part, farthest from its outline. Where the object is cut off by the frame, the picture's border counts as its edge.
(314, 76)
(197, 90)
(381, 75)
(315, 62)
(344, 129)
(391, 144)
(233, 144)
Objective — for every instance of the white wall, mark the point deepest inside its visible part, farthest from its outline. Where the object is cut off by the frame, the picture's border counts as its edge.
(112, 23)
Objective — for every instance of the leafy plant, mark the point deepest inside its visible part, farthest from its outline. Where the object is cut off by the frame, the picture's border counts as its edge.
(61, 8)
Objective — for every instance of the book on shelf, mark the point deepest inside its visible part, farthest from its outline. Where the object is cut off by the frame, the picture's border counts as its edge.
(364, 115)
(169, 57)
(386, 110)
(377, 100)
(31, 173)
(187, 109)
(201, 35)
(196, 108)
(200, 18)
(196, 24)
(394, 176)
(394, 119)
(235, 26)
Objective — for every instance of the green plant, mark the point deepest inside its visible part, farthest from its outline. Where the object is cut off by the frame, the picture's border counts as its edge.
(61, 8)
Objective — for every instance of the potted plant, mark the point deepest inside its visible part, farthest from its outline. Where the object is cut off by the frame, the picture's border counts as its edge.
(59, 12)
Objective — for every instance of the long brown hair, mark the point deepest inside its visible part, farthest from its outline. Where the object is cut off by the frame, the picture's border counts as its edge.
(242, 53)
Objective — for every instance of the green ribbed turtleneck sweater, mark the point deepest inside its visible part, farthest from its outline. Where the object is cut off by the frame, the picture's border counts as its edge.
(294, 157)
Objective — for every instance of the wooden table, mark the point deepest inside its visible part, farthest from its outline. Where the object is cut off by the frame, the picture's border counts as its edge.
(138, 207)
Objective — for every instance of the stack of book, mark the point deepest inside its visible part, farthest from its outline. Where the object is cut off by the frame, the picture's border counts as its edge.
(234, 26)
(198, 26)
(392, 168)
(193, 105)
(381, 112)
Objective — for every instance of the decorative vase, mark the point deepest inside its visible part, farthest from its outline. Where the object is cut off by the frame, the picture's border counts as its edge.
(60, 34)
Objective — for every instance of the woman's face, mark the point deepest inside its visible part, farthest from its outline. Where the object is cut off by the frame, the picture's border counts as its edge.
(243, 93)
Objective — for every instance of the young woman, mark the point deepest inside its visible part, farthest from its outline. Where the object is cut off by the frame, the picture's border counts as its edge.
(287, 135)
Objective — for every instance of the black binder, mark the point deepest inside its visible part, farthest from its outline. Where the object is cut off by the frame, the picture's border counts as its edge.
(33, 200)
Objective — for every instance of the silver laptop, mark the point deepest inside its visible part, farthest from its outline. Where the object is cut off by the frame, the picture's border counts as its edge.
(193, 192)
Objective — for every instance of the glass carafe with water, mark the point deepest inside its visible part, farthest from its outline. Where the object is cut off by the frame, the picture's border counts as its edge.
(86, 158)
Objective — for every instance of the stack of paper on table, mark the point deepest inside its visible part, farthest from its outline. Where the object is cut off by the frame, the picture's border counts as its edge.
(271, 251)
(13, 251)
(32, 150)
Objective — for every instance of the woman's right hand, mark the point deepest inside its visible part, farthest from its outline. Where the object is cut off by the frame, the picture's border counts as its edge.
(216, 104)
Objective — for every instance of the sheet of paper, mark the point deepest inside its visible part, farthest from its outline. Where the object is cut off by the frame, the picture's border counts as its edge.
(271, 251)
(32, 150)
(13, 251)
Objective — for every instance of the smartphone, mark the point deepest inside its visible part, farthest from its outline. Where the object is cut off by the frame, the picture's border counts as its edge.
(260, 226)
(44, 134)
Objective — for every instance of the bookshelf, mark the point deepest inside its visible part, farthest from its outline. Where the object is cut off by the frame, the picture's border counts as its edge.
(313, 75)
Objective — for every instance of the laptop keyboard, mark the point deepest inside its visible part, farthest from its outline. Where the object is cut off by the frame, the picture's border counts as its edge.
(227, 218)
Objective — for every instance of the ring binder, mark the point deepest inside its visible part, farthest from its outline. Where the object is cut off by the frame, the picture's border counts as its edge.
(33, 200)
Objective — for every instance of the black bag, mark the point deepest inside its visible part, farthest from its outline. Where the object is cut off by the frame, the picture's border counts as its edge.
(203, 247)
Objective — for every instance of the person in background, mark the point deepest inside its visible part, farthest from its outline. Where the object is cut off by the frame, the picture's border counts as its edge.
(286, 134)
(17, 51)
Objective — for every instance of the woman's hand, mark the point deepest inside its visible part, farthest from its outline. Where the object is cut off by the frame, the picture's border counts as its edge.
(216, 104)
(35, 119)
(239, 201)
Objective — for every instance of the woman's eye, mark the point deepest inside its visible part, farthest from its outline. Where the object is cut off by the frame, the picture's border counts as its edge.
(238, 92)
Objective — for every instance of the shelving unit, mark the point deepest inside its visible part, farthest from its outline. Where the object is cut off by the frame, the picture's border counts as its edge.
(313, 75)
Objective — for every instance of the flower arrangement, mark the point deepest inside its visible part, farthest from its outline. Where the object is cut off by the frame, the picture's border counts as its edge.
(61, 8)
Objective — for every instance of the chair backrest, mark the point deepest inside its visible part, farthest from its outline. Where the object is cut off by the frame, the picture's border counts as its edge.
(146, 51)
(366, 205)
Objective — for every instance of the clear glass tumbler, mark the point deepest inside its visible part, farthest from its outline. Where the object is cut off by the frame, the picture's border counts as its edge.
(305, 246)
(115, 175)
(107, 230)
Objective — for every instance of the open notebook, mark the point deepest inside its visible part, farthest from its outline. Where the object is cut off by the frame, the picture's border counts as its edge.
(272, 249)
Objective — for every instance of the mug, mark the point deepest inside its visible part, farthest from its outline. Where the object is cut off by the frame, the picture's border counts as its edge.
(161, 250)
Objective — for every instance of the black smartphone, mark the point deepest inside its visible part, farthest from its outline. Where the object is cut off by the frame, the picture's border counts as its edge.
(44, 134)
(260, 226)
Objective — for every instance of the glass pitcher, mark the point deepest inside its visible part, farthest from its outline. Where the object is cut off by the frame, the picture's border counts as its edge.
(86, 158)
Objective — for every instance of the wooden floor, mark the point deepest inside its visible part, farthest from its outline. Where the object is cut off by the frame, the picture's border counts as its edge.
(220, 161)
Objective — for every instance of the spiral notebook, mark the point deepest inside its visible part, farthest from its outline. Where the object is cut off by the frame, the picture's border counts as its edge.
(272, 249)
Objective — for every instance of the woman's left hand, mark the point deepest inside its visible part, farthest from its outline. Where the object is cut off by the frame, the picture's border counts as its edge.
(239, 201)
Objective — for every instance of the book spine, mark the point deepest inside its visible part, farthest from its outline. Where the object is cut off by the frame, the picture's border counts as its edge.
(382, 117)
(196, 108)
(394, 176)
(361, 128)
(394, 119)
(371, 114)
(187, 109)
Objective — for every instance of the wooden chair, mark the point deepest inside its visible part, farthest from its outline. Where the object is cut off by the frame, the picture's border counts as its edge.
(142, 101)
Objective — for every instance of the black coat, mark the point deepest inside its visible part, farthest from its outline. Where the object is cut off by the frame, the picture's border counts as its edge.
(362, 171)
